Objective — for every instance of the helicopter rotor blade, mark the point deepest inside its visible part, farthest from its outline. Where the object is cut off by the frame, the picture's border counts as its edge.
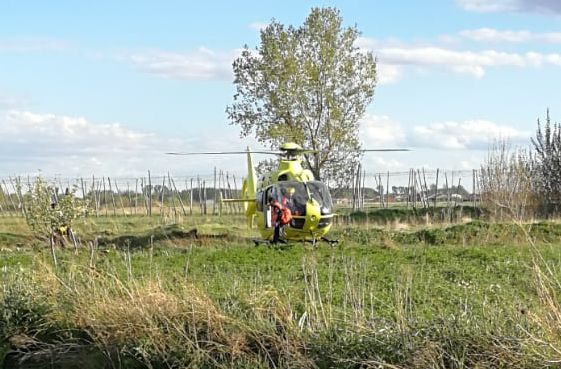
(278, 153)
(223, 153)
(383, 150)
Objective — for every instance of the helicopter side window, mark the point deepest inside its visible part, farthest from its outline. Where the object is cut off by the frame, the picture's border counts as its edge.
(294, 195)
(259, 200)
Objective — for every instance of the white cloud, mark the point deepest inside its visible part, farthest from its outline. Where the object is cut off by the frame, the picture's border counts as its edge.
(73, 146)
(520, 36)
(467, 135)
(387, 73)
(487, 6)
(376, 163)
(9, 102)
(395, 57)
(202, 64)
(380, 131)
(469, 62)
(62, 132)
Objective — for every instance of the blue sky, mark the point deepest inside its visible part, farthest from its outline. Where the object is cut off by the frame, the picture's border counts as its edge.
(106, 87)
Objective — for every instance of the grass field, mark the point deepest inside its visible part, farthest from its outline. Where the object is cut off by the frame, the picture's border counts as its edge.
(151, 295)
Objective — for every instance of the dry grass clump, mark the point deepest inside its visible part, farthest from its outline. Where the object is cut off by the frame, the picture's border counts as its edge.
(176, 327)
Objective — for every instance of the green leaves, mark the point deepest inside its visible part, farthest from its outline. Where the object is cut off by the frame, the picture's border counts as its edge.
(309, 85)
(48, 211)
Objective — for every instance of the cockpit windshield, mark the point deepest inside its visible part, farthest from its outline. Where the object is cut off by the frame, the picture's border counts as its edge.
(320, 193)
(294, 195)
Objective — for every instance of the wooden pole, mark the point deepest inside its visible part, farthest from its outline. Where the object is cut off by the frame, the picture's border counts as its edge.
(129, 196)
(112, 197)
(200, 194)
(204, 196)
(172, 197)
(191, 198)
(214, 194)
(436, 188)
(237, 207)
(104, 196)
(135, 195)
(387, 188)
(143, 191)
(474, 173)
(149, 195)
(120, 198)
(162, 196)
(179, 197)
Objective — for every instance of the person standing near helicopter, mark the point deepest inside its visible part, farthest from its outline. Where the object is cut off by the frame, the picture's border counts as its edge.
(280, 215)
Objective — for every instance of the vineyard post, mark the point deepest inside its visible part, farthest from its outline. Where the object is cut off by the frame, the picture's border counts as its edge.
(172, 198)
(179, 197)
(120, 197)
(473, 187)
(149, 194)
(237, 205)
(408, 187)
(104, 196)
(229, 193)
(143, 191)
(387, 188)
(129, 196)
(381, 191)
(214, 194)
(191, 198)
(426, 189)
(447, 194)
(94, 196)
(135, 195)
(112, 197)
(162, 197)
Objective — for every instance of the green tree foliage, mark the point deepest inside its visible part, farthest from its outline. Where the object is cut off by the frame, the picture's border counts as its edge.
(48, 213)
(309, 85)
(547, 145)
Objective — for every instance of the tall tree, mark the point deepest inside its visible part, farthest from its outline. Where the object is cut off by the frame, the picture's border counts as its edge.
(310, 85)
(548, 160)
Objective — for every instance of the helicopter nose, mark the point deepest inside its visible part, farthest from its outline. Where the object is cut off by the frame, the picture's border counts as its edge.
(314, 216)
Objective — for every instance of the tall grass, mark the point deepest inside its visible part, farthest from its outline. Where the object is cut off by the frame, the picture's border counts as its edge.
(472, 295)
(336, 317)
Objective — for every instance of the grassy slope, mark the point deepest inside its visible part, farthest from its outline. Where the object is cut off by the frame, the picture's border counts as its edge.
(474, 294)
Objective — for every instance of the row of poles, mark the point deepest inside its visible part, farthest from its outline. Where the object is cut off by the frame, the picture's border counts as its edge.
(418, 193)
(166, 195)
(146, 195)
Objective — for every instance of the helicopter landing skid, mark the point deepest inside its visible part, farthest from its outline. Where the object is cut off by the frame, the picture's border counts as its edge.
(324, 239)
(257, 242)
(331, 242)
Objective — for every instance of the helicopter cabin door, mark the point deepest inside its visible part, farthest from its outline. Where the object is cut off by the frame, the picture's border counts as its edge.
(270, 193)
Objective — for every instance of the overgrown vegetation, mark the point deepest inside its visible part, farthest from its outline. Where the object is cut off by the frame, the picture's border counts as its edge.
(524, 184)
(51, 214)
(547, 145)
(507, 183)
(483, 297)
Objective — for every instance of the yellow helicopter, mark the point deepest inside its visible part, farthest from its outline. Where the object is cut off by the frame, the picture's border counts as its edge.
(286, 204)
